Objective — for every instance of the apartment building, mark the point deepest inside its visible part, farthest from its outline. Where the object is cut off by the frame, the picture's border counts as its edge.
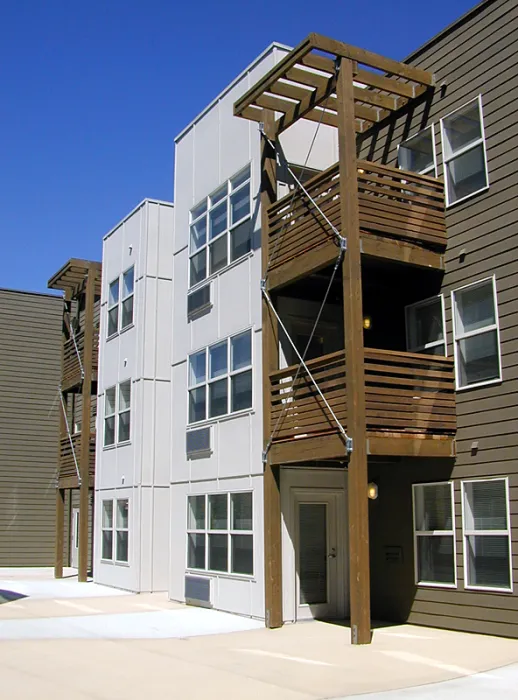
(30, 332)
(342, 425)
(131, 547)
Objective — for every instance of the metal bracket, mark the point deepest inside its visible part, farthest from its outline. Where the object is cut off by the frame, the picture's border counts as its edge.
(348, 445)
(262, 286)
(261, 128)
(264, 456)
(343, 244)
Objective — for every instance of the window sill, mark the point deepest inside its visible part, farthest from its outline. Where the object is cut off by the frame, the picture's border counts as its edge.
(489, 382)
(222, 574)
(220, 419)
(488, 589)
(426, 584)
(449, 205)
(126, 328)
(115, 445)
(113, 562)
(214, 275)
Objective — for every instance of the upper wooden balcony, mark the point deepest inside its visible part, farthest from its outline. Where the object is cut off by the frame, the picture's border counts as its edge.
(401, 218)
(67, 465)
(410, 407)
(72, 376)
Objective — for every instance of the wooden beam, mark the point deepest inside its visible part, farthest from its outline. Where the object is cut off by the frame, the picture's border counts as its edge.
(278, 71)
(270, 347)
(299, 110)
(84, 449)
(60, 533)
(354, 361)
(399, 251)
(307, 449)
(303, 265)
(373, 60)
(406, 446)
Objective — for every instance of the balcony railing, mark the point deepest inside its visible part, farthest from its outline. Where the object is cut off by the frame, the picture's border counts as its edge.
(67, 467)
(394, 205)
(71, 364)
(407, 394)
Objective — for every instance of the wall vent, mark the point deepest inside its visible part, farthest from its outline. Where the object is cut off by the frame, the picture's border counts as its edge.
(198, 591)
(197, 443)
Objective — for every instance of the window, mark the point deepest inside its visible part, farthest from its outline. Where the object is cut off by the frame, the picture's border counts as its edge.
(109, 416)
(117, 413)
(464, 152)
(220, 533)
(197, 442)
(198, 302)
(425, 326)
(434, 536)
(220, 378)
(476, 334)
(220, 228)
(121, 308)
(487, 540)
(121, 530)
(417, 153)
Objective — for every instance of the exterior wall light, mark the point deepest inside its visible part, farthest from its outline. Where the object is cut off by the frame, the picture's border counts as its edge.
(372, 491)
(367, 323)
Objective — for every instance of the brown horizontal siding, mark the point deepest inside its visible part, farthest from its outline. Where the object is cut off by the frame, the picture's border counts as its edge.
(30, 342)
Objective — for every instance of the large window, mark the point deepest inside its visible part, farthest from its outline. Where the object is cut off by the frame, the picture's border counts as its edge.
(115, 530)
(464, 152)
(220, 228)
(220, 533)
(220, 378)
(120, 307)
(117, 413)
(417, 153)
(425, 326)
(487, 537)
(434, 535)
(476, 334)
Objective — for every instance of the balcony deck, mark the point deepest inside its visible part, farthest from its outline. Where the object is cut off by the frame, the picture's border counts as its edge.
(67, 468)
(410, 407)
(71, 366)
(401, 218)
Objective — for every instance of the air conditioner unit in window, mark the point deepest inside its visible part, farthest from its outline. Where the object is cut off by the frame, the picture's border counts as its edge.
(197, 443)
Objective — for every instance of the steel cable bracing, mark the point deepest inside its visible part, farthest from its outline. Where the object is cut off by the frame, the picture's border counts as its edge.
(69, 435)
(77, 351)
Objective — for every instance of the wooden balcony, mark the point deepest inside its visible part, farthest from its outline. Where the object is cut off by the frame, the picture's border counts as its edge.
(410, 407)
(71, 365)
(401, 218)
(67, 468)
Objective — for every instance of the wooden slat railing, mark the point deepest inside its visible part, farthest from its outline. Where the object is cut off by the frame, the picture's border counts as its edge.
(393, 203)
(67, 467)
(71, 366)
(406, 393)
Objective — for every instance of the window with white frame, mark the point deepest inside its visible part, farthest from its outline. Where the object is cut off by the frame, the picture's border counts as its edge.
(417, 153)
(220, 378)
(425, 326)
(117, 413)
(476, 334)
(487, 536)
(464, 152)
(115, 530)
(220, 228)
(120, 306)
(434, 534)
(220, 533)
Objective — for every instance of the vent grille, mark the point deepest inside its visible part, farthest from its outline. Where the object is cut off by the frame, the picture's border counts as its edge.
(198, 591)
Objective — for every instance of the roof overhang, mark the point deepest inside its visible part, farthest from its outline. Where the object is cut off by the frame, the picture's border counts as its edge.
(72, 275)
(303, 86)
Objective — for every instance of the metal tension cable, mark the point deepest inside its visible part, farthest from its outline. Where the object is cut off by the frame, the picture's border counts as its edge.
(69, 435)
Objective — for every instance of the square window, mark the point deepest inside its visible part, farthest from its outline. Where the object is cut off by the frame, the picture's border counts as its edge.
(241, 240)
(124, 396)
(240, 178)
(113, 293)
(417, 153)
(198, 234)
(218, 220)
(241, 391)
(197, 404)
(218, 512)
(113, 321)
(434, 535)
(107, 520)
(196, 551)
(218, 552)
(197, 372)
(240, 204)
(242, 554)
(196, 513)
(241, 351)
(218, 398)
(122, 514)
(199, 210)
(127, 312)
(128, 281)
(107, 545)
(124, 426)
(218, 195)
(425, 327)
(198, 267)
(109, 431)
(242, 511)
(218, 360)
(122, 546)
(218, 254)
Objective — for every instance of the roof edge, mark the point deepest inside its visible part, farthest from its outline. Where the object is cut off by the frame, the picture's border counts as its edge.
(146, 200)
(48, 295)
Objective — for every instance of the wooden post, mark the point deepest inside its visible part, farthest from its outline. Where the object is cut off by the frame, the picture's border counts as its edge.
(60, 533)
(354, 361)
(84, 449)
(270, 340)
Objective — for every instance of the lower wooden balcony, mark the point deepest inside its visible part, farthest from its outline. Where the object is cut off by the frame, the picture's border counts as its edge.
(71, 376)
(410, 407)
(67, 468)
(401, 218)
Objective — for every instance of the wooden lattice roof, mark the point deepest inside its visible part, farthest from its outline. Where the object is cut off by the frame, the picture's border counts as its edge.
(303, 85)
(71, 277)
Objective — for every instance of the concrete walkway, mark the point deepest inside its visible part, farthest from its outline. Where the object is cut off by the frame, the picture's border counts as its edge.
(93, 646)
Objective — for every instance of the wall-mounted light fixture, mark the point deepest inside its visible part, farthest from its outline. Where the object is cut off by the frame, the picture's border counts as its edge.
(372, 490)
(367, 323)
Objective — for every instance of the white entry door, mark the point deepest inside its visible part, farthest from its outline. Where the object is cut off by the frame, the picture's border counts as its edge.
(74, 540)
(318, 556)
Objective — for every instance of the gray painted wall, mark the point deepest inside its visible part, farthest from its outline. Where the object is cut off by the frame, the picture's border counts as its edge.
(30, 368)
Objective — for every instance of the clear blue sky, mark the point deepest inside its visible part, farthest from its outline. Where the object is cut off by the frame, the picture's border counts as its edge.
(93, 94)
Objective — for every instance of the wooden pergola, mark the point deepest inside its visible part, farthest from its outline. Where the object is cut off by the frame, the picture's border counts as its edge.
(332, 83)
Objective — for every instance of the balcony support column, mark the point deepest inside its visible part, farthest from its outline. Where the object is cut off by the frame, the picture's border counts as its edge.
(270, 343)
(84, 448)
(358, 513)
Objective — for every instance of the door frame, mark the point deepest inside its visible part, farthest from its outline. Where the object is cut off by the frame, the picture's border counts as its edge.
(312, 482)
